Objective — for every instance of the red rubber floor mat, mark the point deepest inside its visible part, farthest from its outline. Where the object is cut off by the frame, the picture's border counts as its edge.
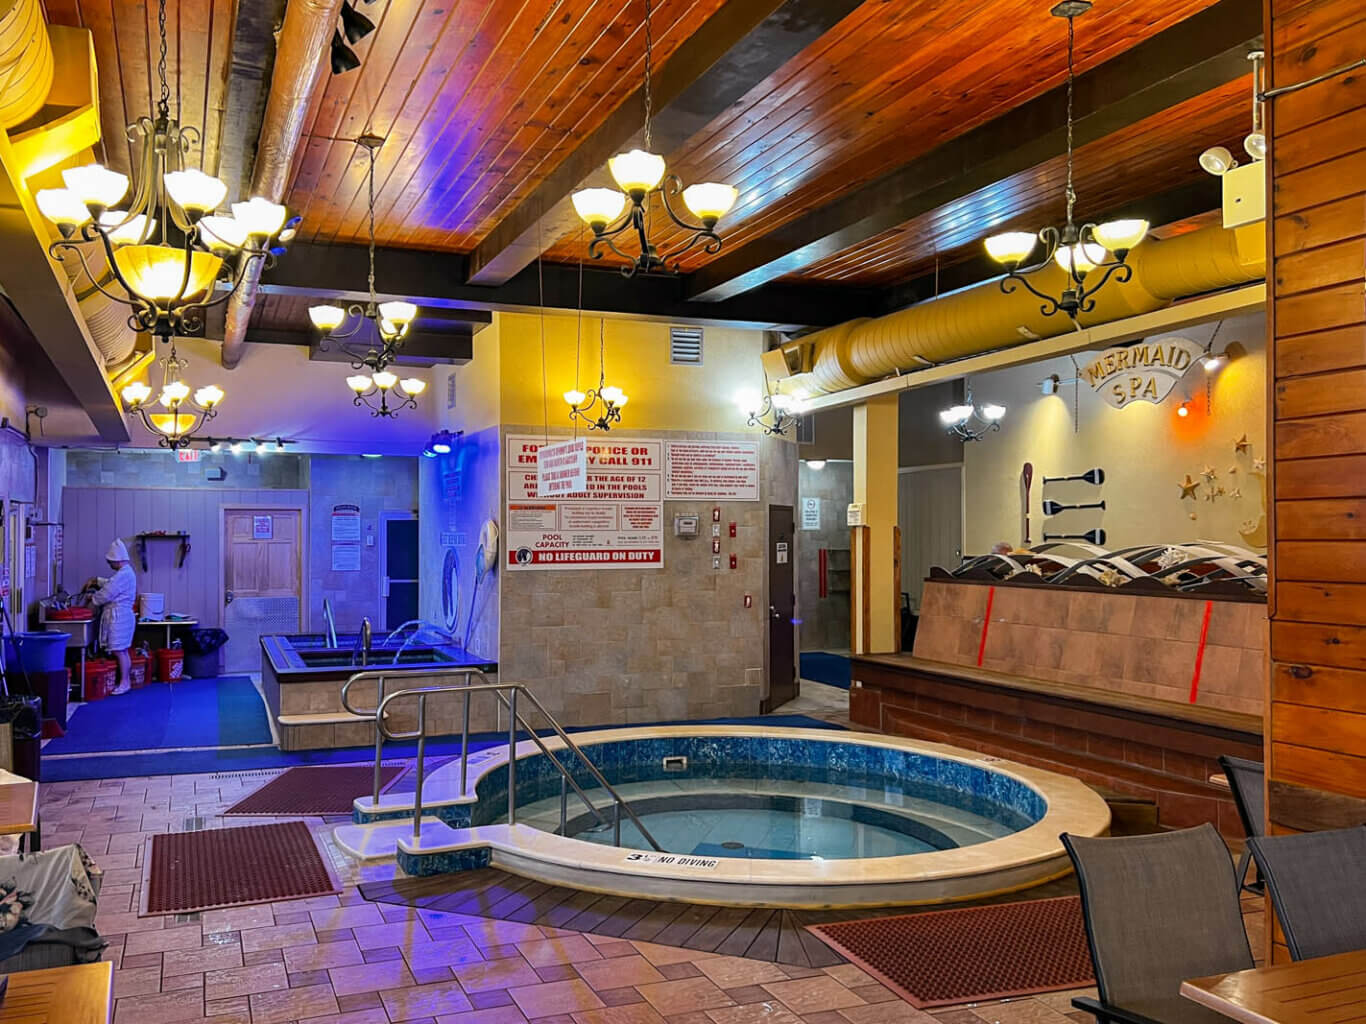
(961, 956)
(231, 867)
(314, 790)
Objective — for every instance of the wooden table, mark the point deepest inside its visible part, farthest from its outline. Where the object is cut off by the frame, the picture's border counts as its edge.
(19, 807)
(83, 994)
(1320, 991)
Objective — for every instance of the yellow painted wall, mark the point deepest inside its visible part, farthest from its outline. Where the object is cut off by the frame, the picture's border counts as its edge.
(476, 386)
(663, 395)
(1144, 449)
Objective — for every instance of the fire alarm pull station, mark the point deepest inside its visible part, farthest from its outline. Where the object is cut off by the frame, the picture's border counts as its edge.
(716, 545)
(732, 529)
(734, 562)
(716, 514)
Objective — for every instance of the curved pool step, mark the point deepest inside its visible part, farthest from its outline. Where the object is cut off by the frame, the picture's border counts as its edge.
(440, 795)
(379, 840)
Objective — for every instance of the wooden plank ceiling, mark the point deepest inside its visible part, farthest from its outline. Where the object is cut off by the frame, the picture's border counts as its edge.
(480, 99)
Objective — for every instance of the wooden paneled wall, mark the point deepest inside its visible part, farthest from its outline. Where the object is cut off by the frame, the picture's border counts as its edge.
(1316, 734)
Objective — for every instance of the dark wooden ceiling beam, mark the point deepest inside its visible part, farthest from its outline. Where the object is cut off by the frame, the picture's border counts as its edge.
(435, 281)
(743, 43)
(1201, 53)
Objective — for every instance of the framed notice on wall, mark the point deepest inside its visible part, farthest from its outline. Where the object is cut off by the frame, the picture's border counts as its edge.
(615, 522)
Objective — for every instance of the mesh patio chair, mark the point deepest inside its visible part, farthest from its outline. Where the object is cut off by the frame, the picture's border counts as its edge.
(1318, 887)
(1159, 909)
(1247, 780)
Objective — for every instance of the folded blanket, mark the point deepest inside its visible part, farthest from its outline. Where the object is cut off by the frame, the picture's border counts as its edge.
(50, 897)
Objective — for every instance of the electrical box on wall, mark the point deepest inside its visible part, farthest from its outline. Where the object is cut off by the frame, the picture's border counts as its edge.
(1244, 194)
(685, 526)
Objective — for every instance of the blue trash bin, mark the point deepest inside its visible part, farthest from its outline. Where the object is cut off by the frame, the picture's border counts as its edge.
(36, 652)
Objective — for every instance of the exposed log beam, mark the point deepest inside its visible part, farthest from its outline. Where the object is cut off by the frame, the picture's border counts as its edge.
(301, 68)
(743, 43)
(1202, 53)
(434, 281)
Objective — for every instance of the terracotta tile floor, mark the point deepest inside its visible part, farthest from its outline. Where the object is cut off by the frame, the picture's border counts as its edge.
(341, 960)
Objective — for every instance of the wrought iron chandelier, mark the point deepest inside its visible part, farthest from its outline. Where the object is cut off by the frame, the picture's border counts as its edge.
(184, 416)
(1080, 251)
(388, 321)
(383, 385)
(958, 419)
(639, 174)
(613, 399)
(775, 413)
(167, 249)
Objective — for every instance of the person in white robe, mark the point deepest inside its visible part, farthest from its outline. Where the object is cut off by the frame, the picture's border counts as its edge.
(114, 597)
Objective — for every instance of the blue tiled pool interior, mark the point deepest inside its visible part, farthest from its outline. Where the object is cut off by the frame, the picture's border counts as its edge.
(771, 797)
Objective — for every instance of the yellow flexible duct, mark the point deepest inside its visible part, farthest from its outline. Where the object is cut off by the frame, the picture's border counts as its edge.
(25, 61)
(983, 318)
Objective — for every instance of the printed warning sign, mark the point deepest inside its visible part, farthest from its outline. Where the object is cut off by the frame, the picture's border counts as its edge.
(711, 471)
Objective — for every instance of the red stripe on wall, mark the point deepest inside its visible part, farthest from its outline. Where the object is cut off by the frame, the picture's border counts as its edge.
(986, 624)
(1200, 652)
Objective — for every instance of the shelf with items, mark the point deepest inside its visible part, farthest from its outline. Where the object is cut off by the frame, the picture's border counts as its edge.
(182, 550)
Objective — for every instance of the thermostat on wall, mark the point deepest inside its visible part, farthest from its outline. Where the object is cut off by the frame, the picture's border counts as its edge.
(685, 526)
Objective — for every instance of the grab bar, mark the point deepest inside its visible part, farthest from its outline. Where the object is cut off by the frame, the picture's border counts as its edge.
(513, 690)
(330, 621)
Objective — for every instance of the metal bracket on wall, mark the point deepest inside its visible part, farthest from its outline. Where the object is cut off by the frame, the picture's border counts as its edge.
(1284, 89)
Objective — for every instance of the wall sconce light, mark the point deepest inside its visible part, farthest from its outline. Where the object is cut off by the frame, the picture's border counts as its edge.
(442, 443)
(1184, 409)
(774, 412)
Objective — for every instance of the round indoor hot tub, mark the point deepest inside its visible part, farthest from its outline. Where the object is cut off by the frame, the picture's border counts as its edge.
(763, 817)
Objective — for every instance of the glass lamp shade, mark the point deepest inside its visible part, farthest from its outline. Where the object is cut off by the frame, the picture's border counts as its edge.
(62, 206)
(96, 186)
(358, 383)
(598, 207)
(413, 386)
(784, 402)
(326, 318)
(1120, 235)
(613, 395)
(637, 171)
(156, 271)
(710, 201)
(174, 393)
(125, 230)
(194, 191)
(1011, 247)
(991, 412)
(1217, 160)
(136, 393)
(399, 313)
(384, 380)
(173, 424)
(749, 400)
(260, 217)
(208, 396)
(1255, 145)
(1084, 257)
(223, 234)
(574, 398)
(954, 415)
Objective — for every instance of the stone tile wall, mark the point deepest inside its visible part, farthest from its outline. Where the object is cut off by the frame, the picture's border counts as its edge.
(614, 646)
(146, 469)
(1141, 645)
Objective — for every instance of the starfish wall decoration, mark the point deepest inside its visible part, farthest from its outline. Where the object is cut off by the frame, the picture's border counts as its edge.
(1259, 465)
(1242, 446)
(1189, 487)
(1209, 473)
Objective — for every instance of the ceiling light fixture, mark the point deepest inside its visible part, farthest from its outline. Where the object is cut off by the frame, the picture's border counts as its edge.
(1217, 160)
(344, 58)
(168, 248)
(613, 399)
(388, 324)
(355, 25)
(958, 419)
(184, 415)
(639, 174)
(1080, 251)
(774, 412)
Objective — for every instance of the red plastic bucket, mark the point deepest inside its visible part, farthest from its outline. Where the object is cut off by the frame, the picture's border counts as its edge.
(138, 667)
(170, 665)
(101, 678)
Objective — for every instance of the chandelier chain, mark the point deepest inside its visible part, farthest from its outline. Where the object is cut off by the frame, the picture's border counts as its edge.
(370, 185)
(1071, 87)
(649, 92)
(164, 103)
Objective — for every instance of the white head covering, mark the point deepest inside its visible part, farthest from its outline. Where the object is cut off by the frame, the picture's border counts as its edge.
(118, 552)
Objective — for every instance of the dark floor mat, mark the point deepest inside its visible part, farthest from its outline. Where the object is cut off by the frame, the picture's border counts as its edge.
(314, 790)
(185, 872)
(969, 955)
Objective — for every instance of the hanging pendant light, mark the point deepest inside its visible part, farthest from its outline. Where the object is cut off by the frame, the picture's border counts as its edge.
(607, 399)
(183, 416)
(1079, 251)
(640, 174)
(166, 250)
(385, 325)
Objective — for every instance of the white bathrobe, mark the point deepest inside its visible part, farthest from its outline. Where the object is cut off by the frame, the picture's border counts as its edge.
(117, 618)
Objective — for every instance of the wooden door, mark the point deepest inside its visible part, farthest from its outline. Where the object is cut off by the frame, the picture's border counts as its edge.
(782, 604)
(262, 580)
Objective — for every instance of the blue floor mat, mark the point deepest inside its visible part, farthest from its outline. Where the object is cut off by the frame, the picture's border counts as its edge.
(831, 669)
(221, 712)
(194, 762)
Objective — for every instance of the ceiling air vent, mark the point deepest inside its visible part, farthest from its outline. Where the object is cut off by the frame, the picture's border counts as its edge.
(685, 345)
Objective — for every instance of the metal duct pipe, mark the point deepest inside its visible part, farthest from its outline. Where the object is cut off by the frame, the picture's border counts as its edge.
(301, 66)
(26, 62)
(983, 318)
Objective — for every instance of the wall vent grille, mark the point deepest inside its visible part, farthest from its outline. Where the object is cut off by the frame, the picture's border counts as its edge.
(685, 345)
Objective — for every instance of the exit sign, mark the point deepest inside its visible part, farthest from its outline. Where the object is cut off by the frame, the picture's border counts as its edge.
(187, 455)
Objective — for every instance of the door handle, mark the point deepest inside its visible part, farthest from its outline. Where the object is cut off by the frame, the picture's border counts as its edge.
(227, 597)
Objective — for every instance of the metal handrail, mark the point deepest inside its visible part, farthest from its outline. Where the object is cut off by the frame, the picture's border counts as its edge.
(510, 702)
(330, 621)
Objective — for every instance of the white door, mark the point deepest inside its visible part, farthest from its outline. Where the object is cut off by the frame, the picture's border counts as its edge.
(930, 509)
